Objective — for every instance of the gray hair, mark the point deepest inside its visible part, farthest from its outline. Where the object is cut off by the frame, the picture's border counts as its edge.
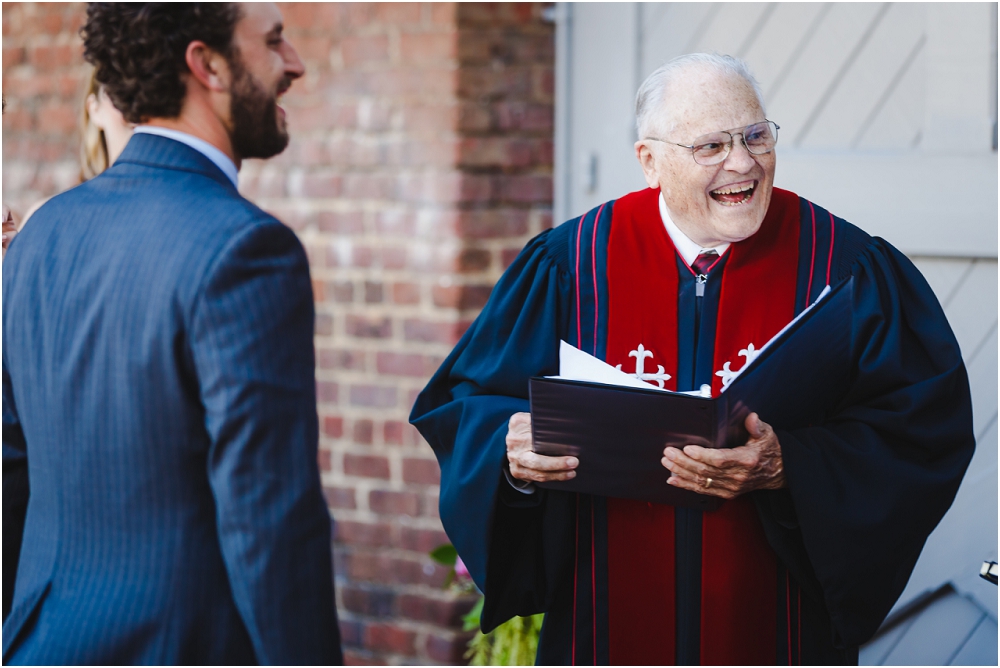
(649, 99)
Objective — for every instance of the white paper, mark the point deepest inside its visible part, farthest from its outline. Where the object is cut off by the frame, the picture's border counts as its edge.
(574, 364)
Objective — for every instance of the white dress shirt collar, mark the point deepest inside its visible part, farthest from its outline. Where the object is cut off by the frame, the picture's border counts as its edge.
(221, 160)
(688, 249)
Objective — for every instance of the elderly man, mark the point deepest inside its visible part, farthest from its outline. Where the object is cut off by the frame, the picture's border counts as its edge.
(821, 526)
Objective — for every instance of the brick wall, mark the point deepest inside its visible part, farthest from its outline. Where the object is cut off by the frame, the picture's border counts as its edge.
(420, 163)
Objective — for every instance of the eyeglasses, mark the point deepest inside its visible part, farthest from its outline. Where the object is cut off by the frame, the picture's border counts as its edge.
(712, 149)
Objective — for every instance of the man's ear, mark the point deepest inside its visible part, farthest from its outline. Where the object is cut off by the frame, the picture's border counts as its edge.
(648, 162)
(207, 66)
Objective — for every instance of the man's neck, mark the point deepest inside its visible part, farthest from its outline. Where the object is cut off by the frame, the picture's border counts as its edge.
(206, 127)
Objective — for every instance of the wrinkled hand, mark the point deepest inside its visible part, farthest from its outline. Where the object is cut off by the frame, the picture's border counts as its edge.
(9, 227)
(736, 471)
(527, 465)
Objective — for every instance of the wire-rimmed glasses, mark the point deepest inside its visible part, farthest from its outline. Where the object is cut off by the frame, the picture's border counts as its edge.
(711, 149)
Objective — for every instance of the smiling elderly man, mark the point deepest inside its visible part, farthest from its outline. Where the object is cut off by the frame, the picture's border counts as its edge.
(821, 526)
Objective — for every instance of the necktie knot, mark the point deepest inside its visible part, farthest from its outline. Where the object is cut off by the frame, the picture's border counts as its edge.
(705, 260)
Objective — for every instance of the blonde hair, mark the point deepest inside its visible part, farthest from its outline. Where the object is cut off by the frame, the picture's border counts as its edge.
(93, 144)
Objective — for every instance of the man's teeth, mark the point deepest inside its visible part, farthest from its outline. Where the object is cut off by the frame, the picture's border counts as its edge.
(732, 190)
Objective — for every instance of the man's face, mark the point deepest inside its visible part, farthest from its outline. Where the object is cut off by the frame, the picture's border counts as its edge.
(263, 67)
(710, 204)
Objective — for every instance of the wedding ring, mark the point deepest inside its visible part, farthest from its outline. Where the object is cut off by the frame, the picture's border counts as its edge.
(708, 483)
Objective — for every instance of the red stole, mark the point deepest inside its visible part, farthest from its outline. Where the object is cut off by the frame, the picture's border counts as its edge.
(738, 589)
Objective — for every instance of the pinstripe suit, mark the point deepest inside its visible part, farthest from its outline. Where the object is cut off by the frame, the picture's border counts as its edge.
(158, 382)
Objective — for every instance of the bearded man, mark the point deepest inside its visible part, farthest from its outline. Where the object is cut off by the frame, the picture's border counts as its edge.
(820, 527)
(158, 376)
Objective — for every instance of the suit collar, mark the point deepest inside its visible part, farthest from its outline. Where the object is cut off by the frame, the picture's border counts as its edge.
(156, 151)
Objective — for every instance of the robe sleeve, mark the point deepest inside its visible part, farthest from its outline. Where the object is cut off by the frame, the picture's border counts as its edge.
(463, 412)
(868, 486)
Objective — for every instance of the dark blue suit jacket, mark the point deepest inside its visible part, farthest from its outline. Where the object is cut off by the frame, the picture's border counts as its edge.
(158, 383)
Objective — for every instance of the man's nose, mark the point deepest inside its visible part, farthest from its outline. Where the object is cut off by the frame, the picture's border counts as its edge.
(740, 159)
(293, 65)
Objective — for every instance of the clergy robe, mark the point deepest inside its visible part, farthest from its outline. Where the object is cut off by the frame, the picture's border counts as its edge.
(801, 575)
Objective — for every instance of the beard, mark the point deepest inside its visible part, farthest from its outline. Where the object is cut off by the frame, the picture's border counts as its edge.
(257, 132)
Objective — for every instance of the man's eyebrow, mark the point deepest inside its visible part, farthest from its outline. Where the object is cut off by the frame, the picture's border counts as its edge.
(276, 30)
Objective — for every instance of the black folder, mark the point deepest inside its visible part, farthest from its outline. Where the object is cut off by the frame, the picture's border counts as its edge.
(619, 433)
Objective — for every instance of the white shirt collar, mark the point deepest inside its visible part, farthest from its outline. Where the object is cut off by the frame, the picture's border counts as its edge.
(688, 249)
(221, 160)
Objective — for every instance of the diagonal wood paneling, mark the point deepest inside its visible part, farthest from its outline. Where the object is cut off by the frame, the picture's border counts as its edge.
(869, 80)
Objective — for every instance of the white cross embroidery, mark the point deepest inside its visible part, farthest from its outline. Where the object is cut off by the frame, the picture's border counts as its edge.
(640, 354)
(728, 374)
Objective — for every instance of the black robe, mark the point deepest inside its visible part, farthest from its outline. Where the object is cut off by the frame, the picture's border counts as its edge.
(864, 489)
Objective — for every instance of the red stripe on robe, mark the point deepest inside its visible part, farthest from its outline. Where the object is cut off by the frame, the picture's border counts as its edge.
(738, 604)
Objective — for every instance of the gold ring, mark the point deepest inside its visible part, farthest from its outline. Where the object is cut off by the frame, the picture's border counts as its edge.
(708, 483)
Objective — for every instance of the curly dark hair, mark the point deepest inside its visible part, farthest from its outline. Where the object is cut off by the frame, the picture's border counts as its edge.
(138, 50)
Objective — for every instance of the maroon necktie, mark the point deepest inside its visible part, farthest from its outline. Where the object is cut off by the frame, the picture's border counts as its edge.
(703, 262)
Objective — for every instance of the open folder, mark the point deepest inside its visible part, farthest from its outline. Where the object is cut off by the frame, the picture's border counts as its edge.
(618, 428)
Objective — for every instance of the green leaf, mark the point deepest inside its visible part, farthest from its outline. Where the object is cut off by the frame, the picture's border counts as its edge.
(471, 619)
(445, 554)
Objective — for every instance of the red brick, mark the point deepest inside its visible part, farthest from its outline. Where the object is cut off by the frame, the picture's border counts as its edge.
(363, 432)
(393, 257)
(326, 392)
(373, 292)
(405, 293)
(395, 223)
(398, 12)
(339, 497)
(422, 471)
(318, 185)
(365, 49)
(444, 12)
(348, 222)
(336, 358)
(508, 255)
(366, 466)
(341, 292)
(53, 56)
(324, 324)
(333, 426)
(325, 460)
(371, 601)
(355, 658)
(351, 633)
(394, 503)
(56, 119)
(363, 534)
(369, 328)
(462, 297)
(390, 638)
(447, 649)
(493, 224)
(417, 329)
(362, 256)
(313, 48)
(392, 432)
(374, 396)
(13, 56)
(473, 260)
(423, 47)
(441, 611)
(319, 295)
(404, 364)
(526, 189)
(421, 540)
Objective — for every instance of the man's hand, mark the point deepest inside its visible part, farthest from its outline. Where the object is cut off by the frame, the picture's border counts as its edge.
(9, 227)
(756, 465)
(527, 465)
